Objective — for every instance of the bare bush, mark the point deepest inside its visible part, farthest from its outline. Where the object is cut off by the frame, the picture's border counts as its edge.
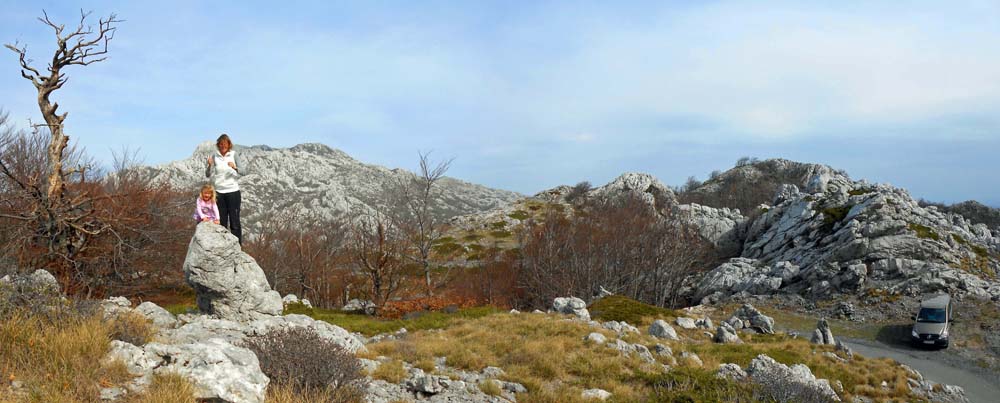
(578, 190)
(376, 246)
(304, 256)
(299, 358)
(622, 244)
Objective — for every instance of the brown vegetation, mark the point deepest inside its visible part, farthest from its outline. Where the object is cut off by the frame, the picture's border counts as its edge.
(60, 211)
(623, 245)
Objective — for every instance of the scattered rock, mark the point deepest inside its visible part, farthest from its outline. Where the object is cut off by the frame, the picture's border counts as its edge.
(822, 334)
(845, 349)
(571, 306)
(732, 372)
(685, 323)
(749, 317)
(620, 327)
(596, 394)
(359, 306)
(690, 359)
(596, 338)
(663, 330)
(725, 334)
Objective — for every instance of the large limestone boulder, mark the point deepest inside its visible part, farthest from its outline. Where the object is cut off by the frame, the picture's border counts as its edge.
(218, 370)
(766, 371)
(228, 282)
(196, 328)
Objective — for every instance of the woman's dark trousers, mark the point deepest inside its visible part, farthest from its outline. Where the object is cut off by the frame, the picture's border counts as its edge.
(229, 212)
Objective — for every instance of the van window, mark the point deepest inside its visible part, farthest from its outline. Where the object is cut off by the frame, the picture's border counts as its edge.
(931, 315)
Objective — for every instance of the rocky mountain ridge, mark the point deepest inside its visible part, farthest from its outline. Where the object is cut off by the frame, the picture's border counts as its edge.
(318, 182)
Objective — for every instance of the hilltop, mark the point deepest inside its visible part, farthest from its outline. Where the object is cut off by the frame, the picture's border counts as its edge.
(317, 181)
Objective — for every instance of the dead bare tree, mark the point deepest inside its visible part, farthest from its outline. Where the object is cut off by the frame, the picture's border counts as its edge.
(65, 221)
(413, 201)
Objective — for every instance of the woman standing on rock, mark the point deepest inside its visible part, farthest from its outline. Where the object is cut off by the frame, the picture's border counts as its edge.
(224, 172)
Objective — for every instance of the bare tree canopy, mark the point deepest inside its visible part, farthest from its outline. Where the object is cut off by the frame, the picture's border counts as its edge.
(412, 203)
(81, 46)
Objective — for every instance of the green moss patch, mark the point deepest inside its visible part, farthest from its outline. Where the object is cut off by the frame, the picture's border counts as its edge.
(370, 326)
(500, 234)
(519, 215)
(924, 232)
(617, 307)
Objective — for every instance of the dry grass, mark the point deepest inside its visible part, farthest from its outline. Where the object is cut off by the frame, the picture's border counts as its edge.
(288, 394)
(551, 359)
(166, 388)
(58, 362)
(133, 328)
(546, 355)
(490, 387)
(391, 371)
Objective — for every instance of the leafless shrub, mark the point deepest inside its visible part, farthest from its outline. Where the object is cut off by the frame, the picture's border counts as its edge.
(376, 246)
(300, 358)
(780, 390)
(622, 244)
(578, 191)
(304, 256)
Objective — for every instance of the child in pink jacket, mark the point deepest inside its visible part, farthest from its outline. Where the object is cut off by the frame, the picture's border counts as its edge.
(205, 207)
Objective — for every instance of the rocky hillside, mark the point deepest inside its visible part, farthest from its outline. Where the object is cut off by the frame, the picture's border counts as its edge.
(842, 236)
(317, 181)
(818, 234)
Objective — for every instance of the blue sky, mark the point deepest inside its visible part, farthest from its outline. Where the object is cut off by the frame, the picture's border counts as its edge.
(529, 95)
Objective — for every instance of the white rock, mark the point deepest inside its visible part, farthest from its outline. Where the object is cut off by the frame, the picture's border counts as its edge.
(596, 394)
(595, 337)
(663, 330)
(228, 282)
(685, 323)
(571, 306)
(217, 369)
(159, 316)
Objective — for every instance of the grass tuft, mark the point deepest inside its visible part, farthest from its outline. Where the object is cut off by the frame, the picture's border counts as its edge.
(166, 388)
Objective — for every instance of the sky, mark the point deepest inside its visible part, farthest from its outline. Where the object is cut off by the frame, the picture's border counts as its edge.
(528, 95)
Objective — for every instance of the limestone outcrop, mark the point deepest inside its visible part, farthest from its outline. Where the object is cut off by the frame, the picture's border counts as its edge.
(839, 236)
(229, 283)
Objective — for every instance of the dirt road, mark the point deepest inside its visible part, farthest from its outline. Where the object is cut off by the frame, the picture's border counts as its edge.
(981, 386)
